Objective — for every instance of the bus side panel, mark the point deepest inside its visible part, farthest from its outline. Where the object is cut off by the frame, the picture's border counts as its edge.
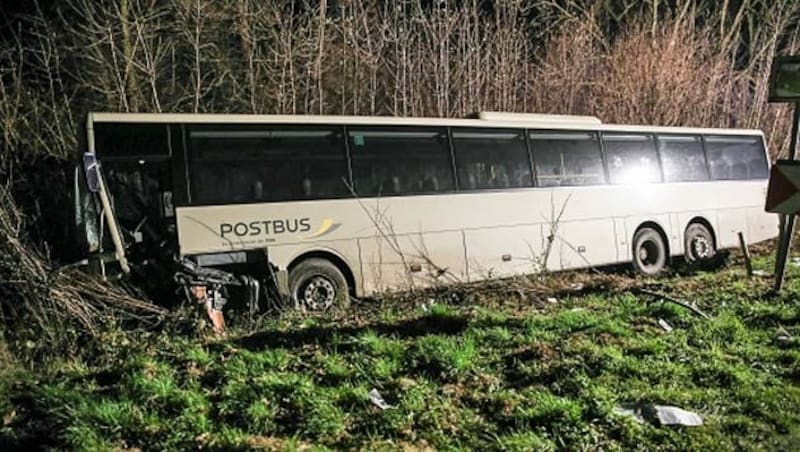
(761, 225)
(441, 256)
(584, 243)
(677, 225)
(410, 261)
(505, 251)
(382, 266)
(622, 239)
(729, 223)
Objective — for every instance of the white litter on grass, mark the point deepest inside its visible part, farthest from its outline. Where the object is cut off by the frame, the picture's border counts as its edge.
(796, 261)
(552, 300)
(783, 336)
(665, 325)
(377, 399)
(672, 415)
(660, 414)
(760, 273)
(427, 306)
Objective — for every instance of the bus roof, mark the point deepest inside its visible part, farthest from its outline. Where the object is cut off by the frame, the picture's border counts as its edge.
(484, 119)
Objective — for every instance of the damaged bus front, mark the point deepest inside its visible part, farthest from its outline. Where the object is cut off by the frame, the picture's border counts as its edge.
(125, 217)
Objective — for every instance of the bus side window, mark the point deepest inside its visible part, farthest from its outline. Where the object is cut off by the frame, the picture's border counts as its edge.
(682, 158)
(632, 158)
(736, 157)
(131, 140)
(406, 160)
(247, 163)
(566, 158)
(491, 158)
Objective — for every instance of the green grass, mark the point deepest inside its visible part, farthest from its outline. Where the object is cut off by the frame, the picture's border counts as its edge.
(496, 374)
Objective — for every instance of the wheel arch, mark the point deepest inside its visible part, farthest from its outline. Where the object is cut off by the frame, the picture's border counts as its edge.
(658, 228)
(702, 221)
(333, 258)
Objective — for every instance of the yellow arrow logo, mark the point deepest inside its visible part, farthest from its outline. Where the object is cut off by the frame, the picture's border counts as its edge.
(325, 228)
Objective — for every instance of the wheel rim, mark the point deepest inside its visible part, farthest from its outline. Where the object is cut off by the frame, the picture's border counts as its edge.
(701, 248)
(318, 294)
(649, 254)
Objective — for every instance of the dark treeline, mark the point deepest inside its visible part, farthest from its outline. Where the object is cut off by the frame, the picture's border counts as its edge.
(693, 63)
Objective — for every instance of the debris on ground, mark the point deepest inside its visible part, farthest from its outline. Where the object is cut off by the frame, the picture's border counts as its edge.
(672, 415)
(665, 325)
(377, 399)
(663, 297)
(796, 261)
(761, 273)
(426, 306)
(552, 300)
(577, 287)
(783, 336)
(664, 415)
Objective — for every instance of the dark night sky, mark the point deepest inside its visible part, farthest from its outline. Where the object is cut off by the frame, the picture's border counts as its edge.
(9, 8)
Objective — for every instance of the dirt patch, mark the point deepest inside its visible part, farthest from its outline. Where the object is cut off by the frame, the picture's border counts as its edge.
(541, 352)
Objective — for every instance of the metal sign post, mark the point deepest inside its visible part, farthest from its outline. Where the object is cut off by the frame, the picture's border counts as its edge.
(784, 86)
(787, 221)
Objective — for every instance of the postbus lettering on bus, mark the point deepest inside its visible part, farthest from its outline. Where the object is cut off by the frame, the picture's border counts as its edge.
(265, 227)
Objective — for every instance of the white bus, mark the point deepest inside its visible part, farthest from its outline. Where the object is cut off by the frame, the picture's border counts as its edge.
(338, 205)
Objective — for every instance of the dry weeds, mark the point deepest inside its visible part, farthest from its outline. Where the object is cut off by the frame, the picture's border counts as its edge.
(45, 303)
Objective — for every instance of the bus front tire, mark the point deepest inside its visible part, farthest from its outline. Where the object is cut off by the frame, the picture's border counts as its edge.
(649, 252)
(699, 245)
(316, 285)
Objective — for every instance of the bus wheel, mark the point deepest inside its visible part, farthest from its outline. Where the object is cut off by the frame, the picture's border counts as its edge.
(699, 244)
(316, 285)
(649, 252)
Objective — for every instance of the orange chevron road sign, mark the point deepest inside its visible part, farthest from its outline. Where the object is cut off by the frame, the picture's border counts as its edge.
(783, 193)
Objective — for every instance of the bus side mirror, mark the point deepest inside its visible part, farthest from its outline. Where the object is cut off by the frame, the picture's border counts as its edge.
(91, 169)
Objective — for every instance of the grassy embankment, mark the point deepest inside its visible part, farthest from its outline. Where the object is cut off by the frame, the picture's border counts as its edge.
(486, 370)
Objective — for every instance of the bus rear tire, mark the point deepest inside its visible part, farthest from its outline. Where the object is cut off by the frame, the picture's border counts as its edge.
(699, 245)
(316, 285)
(649, 252)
